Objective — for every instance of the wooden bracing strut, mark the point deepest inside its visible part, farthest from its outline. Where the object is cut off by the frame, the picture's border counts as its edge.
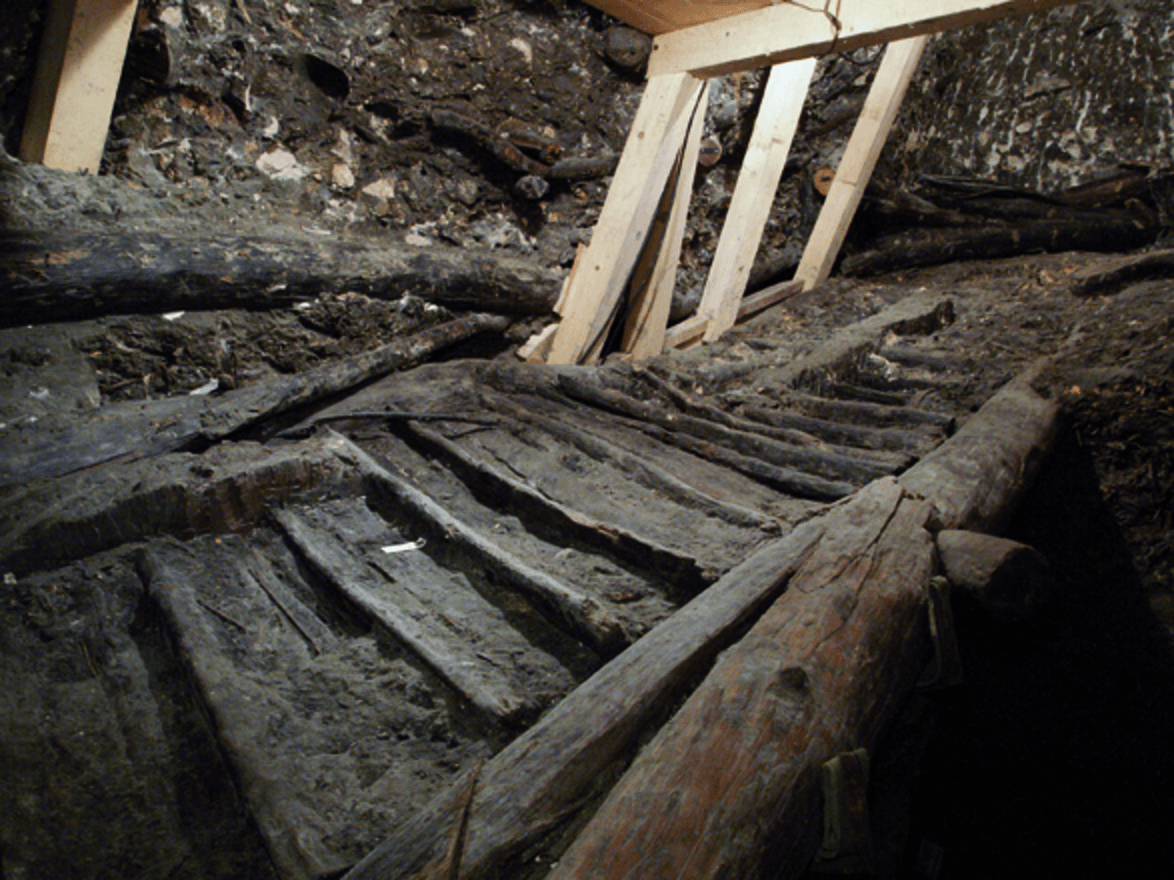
(755, 33)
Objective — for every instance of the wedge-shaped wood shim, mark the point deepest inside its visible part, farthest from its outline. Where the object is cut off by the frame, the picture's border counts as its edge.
(778, 117)
(864, 148)
(77, 75)
(730, 786)
(789, 31)
(649, 315)
(657, 135)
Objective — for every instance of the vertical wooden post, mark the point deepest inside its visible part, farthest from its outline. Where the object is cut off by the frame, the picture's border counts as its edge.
(864, 148)
(778, 118)
(649, 315)
(649, 156)
(77, 75)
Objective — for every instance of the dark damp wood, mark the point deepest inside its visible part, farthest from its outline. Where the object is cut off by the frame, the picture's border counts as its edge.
(788, 480)
(547, 773)
(843, 432)
(441, 619)
(729, 787)
(126, 432)
(913, 357)
(549, 516)
(869, 395)
(304, 621)
(646, 472)
(53, 276)
(1123, 272)
(1003, 578)
(570, 609)
(830, 466)
(976, 478)
(1109, 231)
(875, 415)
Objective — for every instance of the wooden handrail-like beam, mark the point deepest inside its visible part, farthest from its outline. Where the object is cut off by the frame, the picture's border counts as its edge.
(787, 32)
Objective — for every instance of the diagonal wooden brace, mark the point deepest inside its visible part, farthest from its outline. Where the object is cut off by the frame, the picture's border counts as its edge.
(657, 136)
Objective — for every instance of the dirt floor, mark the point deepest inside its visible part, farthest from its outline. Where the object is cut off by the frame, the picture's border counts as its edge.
(1051, 759)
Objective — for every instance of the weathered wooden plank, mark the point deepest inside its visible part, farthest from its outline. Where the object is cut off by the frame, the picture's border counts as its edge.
(78, 69)
(467, 641)
(860, 157)
(543, 775)
(649, 314)
(770, 143)
(577, 612)
(657, 134)
(788, 31)
(820, 673)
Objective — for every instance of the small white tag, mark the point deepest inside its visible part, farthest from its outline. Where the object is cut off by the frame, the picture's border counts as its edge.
(403, 548)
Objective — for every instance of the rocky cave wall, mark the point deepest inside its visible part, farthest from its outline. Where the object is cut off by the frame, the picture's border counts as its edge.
(494, 123)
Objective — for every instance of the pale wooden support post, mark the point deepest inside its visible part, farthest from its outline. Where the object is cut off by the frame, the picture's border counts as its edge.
(76, 80)
(864, 148)
(653, 145)
(648, 317)
(778, 118)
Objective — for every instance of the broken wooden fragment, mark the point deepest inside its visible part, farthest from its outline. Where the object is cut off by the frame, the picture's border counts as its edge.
(52, 275)
(1003, 578)
(822, 672)
(1121, 272)
(545, 774)
(439, 617)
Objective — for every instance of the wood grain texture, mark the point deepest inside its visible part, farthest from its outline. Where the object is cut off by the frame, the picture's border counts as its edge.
(770, 143)
(731, 784)
(785, 32)
(864, 148)
(78, 70)
(657, 134)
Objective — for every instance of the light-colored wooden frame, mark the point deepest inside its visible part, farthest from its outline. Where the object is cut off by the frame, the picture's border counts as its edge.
(789, 31)
(76, 80)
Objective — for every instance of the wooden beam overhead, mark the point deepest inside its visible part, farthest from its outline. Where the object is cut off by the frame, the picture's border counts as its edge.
(78, 70)
(662, 16)
(786, 32)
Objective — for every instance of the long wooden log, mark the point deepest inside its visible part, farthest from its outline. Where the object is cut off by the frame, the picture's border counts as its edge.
(126, 432)
(729, 787)
(544, 775)
(1110, 231)
(54, 276)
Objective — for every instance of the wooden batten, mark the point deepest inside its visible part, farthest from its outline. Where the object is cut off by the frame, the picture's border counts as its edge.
(860, 157)
(77, 76)
(787, 32)
(778, 118)
(650, 154)
(649, 315)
